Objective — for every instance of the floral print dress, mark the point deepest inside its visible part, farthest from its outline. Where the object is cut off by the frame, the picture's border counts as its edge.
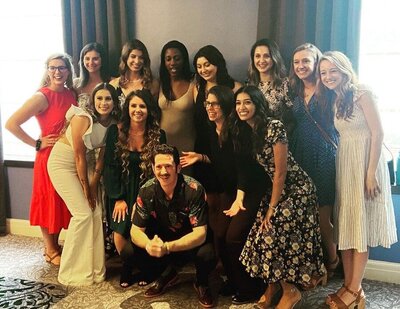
(291, 250)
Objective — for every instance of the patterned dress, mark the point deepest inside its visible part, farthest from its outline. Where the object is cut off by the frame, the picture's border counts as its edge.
(315, 155)
(291, 249)
(360, 223)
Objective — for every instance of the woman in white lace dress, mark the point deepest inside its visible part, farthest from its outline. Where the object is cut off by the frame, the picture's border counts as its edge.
(364, 215)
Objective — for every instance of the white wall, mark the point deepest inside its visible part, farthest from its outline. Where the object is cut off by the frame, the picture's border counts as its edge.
(230, 25)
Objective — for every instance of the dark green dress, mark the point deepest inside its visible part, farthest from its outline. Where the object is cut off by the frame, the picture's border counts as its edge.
(116, 187)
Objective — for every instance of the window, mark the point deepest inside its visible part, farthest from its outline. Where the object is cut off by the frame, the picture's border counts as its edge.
(380, 63)
(30, 32)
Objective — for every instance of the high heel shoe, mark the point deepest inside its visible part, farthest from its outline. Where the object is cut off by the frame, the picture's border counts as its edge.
(337, 293)
(315, 281)
(358, 302)
(271, 296)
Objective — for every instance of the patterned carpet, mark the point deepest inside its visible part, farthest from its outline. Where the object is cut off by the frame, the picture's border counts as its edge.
(19, 293)
(21, 257)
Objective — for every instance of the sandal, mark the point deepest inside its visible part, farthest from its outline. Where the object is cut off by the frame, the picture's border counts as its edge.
(358, 302)
(315, 281)
(337, 293)
(55, 259)
(271, 296)
(127, 279)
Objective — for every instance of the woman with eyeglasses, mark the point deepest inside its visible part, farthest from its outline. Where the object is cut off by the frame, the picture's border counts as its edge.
(48, 105)
(231, 225)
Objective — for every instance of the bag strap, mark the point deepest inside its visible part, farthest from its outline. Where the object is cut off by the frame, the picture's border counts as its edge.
(321, 130)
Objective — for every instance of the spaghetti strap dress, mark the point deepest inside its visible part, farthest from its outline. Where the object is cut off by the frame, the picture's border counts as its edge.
(48, 210)
(359, 222)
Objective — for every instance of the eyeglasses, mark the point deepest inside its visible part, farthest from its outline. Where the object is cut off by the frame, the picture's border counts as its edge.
(61, 69)
(214, 105)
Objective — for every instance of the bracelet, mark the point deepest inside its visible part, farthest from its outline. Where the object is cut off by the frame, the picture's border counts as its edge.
(38, 144)
(167, 247)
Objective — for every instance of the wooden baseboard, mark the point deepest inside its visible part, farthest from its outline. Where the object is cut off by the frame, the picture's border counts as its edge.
(23, 227)
(375, 270)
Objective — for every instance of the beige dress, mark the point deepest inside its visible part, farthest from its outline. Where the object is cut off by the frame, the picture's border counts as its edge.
(177, 120)
(359, 222)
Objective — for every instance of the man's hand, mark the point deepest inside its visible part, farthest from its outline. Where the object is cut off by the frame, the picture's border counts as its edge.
(156, 247)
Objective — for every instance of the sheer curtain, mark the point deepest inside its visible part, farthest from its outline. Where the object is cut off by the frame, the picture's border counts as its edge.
(110, 23)
(3, 209)
(330, 25)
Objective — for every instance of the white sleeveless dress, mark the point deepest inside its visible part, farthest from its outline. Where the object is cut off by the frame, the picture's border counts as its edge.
(360, 223)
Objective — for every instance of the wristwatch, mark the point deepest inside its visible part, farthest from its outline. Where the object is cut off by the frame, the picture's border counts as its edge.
(38, 144)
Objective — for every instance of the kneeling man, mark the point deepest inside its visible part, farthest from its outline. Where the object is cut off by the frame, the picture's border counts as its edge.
(177, 205)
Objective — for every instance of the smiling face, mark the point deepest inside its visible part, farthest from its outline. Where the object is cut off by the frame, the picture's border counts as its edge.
(165, 170)
(304, 64)
(262, 59)
(92, 61)
(330, 75)
(135, 60)
(213, 109)
(58, 72)
(245, 108)
(173, 61)
(103, 103)
(137, 110)
(206, 70)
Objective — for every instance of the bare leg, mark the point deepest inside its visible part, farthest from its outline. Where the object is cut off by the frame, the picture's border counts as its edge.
(119, 241)
(327, 232)
(348, 266)
(51, 247)
(291, 296)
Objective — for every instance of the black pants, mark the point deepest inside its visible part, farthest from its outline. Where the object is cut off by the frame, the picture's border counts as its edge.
(203, 257)
(231, 234)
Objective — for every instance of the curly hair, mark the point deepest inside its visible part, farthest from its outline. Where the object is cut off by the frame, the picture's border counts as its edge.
(151, 135)
(147, 77)
(278, 71)
(246, 139)
(343, 96)
(68, 63)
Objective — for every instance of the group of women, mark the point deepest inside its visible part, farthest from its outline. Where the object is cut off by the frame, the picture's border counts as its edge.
(265, 153)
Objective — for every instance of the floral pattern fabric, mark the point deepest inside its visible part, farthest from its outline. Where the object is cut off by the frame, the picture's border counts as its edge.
(291, 249)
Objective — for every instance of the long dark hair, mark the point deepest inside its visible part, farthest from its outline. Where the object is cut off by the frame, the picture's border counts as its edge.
(83, 72)
(278, 71)
(225, 99)
(214, 56)
(123, 67)
(247, 139)
(165, 79)
(151, 135)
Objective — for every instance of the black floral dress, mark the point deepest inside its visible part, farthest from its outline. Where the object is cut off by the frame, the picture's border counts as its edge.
(291, 250)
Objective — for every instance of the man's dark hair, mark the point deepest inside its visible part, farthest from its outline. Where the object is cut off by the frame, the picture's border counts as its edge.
(167, 150)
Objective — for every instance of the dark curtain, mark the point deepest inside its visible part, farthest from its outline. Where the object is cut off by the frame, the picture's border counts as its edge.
(109, 22)
(3, 209)
(328, 24)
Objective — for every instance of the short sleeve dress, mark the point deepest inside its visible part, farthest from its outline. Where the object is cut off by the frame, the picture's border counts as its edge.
(48, 210)
(116, 187)
(360, 223)
(291, 249)
(312, 152)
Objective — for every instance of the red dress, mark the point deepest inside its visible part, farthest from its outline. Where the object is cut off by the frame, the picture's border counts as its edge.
(48, 210)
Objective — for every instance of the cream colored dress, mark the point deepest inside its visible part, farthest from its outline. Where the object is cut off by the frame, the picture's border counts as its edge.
(360, 223)
(177, 120)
